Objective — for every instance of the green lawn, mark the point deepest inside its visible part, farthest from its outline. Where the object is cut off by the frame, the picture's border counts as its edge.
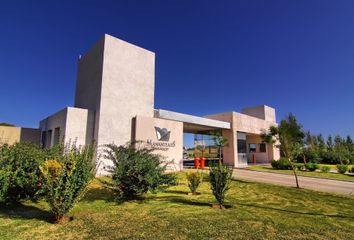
(335, 176)
(258, 211)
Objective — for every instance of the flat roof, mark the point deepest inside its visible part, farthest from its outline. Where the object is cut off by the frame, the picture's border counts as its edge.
(192, 123)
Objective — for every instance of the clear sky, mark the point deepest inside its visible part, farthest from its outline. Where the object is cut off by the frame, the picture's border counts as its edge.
(211, 56)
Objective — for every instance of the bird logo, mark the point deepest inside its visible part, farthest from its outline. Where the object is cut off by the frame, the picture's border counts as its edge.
(162, 134)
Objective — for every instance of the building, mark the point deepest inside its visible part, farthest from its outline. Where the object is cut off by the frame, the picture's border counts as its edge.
(114, 103)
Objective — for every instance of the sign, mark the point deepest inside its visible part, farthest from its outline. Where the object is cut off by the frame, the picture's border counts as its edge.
(163, 140)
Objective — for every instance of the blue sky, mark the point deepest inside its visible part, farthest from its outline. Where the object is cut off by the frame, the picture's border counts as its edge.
(211, 56)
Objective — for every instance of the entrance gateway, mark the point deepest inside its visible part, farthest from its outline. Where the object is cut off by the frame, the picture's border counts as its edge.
(114, 103)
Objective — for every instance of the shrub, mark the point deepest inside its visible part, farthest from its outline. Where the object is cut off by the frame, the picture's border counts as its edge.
(220, 179)
(299, 166)
(351, 169)
(325, 169)
(281, 164)
(4, 185)
(66, 178)
(311, 166)
(342, 168)
(20, 175)
(194, 180)
(136, 170)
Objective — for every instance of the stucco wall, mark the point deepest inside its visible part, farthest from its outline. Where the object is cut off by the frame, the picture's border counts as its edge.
(79, 126)
(250, 125)
(260, 157)
(263, 112)
(76, 125)
(57, 120)
(32, 135)
(9, 135)
(171, 150)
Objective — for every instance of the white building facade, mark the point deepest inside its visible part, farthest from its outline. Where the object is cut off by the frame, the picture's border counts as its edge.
(114, 103)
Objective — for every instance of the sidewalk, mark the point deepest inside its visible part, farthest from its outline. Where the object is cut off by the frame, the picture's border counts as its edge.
(318, 184)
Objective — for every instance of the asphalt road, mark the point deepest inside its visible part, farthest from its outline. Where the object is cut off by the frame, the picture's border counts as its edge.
(318, 184)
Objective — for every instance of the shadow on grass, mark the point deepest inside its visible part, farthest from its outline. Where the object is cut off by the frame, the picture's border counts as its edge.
(176, 192)
(19, 210)
(104, 192)
(296, 212)
(178, 200)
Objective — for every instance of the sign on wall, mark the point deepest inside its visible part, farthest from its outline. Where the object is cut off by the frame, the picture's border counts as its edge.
(162, 141)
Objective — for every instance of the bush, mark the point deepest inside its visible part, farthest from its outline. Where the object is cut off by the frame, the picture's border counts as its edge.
(299, 166)
(220, 179)
(19, 172)
(311, 166)
(66, 178)
(137, 170)
(281, 164)
(351, 169)
(325, 169)
(342, 168)
(194, 180)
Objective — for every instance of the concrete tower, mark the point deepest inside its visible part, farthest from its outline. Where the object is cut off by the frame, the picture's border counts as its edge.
(116, 80)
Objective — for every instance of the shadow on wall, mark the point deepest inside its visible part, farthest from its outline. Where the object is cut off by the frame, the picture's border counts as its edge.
(30, 135)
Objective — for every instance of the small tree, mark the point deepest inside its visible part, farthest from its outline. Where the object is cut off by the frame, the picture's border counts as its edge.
(220, 141)
(288, 137)
(66, 179)
(194, 181)
(220, 180)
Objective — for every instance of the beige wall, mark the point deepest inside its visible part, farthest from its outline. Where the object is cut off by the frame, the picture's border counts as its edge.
(171, 150)
(116, 79)
(261, 157)
(11, 135)
(250, 125)
(75, 124)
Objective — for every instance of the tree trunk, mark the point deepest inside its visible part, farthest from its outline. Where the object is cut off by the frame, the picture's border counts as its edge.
(219, 154)
(294, 171)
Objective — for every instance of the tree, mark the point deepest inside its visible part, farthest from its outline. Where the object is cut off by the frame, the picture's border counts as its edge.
(6, 124)
(330, 143)
(288, 137)
(220, 141)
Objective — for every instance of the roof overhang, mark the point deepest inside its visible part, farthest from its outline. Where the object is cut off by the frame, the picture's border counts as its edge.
(192, 124)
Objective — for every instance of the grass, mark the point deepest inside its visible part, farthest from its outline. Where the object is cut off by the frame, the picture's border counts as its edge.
(335, 176)
(258, 211)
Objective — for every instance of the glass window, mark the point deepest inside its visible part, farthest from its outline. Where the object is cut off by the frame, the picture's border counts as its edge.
(252, 147)
(262, 147)
(241, 146)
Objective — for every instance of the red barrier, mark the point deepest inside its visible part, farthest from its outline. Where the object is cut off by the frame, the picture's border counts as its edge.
(254, 159)
(196, 162)
(202, 162)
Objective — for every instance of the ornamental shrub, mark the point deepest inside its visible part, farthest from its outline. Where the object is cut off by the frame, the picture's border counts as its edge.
(351, 169)
(281, 164)
(194, 180)
(311, 166)
(136, 170)
(299, 166)
(342, 168)
(220, 180)
(19, 172)
(325, 169)
(66, 178)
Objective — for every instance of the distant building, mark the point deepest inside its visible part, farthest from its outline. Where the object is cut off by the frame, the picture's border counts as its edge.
(114, 103)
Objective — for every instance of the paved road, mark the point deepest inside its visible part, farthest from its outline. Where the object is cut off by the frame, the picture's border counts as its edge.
(318, 184)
